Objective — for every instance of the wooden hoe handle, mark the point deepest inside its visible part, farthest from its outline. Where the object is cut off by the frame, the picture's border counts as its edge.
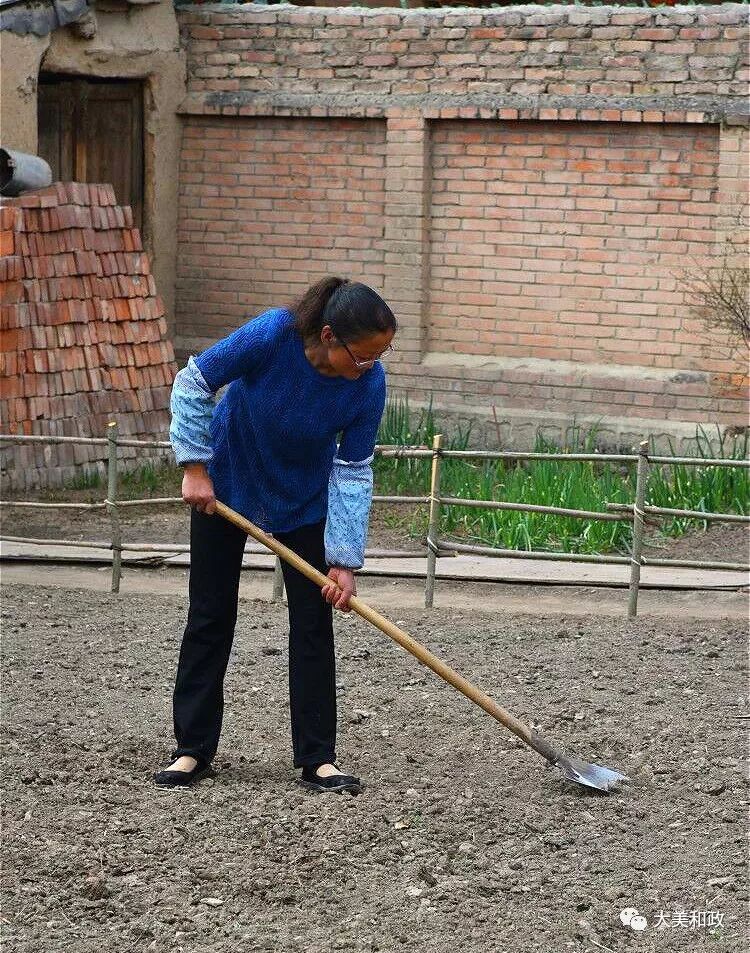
(398, 635)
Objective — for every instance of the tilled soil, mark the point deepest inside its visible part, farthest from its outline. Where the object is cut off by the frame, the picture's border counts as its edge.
(728, 542)
(463, 839)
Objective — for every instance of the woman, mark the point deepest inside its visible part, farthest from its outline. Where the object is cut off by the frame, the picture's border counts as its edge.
(297, 379)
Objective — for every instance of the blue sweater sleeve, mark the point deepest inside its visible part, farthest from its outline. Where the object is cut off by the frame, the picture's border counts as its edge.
(350, 484)
(358, 440)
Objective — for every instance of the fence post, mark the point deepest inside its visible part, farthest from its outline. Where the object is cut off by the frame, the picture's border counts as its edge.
(638, 514)
(278, 582)
(434, 522)
(114, 516)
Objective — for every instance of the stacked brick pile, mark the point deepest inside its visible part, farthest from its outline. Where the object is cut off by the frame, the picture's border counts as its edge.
(84, 335)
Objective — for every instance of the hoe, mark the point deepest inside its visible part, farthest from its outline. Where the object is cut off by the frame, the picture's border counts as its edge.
(589, 775)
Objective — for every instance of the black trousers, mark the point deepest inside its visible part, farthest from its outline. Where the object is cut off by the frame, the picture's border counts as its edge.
(216, 547)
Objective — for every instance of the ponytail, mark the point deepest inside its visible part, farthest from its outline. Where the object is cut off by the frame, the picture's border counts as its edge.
(352, 310)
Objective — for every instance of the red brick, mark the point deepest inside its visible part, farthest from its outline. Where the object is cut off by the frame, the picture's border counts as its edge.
(656, 34)
(11, 292)
(121, 308)
(9, 218)
(12, 268)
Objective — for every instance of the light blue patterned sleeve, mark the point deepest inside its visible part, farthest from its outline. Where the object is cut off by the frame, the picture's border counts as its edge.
(349, 501)
(192, 407)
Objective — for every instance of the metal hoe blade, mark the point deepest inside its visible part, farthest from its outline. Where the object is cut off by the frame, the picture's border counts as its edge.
(590, 775)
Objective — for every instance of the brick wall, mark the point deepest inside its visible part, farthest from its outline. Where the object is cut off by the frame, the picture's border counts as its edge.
(556, 51)
(562, 240)
(266, 205)
(523, 184)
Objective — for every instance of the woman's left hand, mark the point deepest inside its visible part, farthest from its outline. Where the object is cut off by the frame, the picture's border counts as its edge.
(340, 588)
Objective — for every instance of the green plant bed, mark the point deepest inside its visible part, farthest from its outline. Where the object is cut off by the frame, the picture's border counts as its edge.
(576, 485)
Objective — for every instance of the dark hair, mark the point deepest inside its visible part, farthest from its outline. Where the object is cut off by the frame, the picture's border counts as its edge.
(352, 310)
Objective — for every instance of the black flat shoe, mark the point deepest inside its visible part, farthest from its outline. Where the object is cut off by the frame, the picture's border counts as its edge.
(184, 779)
(335, 783)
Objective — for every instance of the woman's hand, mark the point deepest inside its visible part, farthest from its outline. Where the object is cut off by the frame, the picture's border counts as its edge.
(340, 588)
(197, 488)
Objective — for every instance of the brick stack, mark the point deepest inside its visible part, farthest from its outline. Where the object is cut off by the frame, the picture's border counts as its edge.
(84, 333)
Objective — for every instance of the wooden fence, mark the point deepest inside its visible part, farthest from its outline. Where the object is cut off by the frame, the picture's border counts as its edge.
(635, 512)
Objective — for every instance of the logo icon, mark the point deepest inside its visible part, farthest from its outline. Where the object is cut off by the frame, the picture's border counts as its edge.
(629, 917)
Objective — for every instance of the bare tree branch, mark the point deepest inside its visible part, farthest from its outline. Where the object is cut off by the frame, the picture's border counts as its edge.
(718, 293)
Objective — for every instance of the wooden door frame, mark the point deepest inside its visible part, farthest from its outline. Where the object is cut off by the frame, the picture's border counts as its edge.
(81, 88)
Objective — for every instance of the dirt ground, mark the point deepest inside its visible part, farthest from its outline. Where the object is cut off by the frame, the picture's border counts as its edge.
(727, 542)
(462, 840)
(158, 525)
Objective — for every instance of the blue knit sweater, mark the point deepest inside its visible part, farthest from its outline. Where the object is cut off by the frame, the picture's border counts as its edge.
(270, 442)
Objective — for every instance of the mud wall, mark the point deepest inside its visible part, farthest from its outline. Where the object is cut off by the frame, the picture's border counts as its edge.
(128, 42)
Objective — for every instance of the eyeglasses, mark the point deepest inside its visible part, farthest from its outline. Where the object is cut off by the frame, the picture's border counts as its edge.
(358, 361)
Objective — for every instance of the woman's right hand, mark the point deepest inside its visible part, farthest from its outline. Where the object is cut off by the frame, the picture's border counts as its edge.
(198, 489)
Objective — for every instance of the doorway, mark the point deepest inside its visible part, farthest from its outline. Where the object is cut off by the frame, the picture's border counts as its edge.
(91, 130)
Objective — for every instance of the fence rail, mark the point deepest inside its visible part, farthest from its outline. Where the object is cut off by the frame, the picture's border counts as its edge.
(448, 547)
(684, 514)
(637, 512)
